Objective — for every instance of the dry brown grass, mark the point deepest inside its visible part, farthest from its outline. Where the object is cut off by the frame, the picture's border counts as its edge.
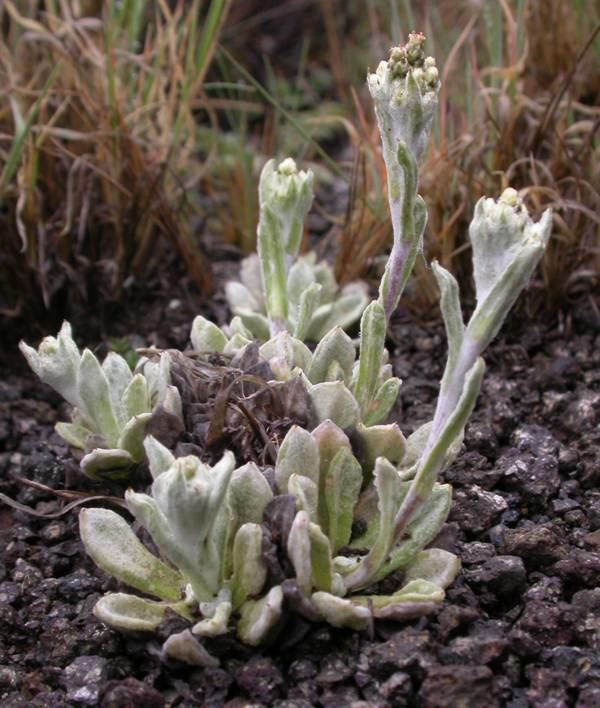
(530, 120)
(97, 139)
(108, 152)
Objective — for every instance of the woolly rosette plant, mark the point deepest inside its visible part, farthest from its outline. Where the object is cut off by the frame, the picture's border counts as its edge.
(111, 405)
(350, 501)
(208, 525)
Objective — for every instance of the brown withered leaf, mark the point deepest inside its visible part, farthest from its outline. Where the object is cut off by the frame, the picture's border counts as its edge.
(230, 405)
(298, 602)
(278, 517)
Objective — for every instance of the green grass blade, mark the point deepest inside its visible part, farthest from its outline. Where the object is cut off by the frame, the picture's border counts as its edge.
(18, 144)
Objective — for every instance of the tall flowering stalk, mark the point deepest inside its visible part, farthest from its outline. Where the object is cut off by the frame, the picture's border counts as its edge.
(405, 94)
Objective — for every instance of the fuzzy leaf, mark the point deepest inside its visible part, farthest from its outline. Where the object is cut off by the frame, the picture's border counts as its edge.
(95, 394)
(249, 569)
(130, 613)
(301, 277)
(135, 399)
(333, 401)
(118, 374)
(283, 345)
(309, 302)
(348, 306)
(507, 245)
(451, 312)
(255, 323)
(372, 342)
(381, 441)
(324, 275)
(235, 345)
(390, 492)
(172, 402)
(298, 454)
(74, 434)
(288, 192)
(441, 439)
(238, 327)
(434, 565)
(182, 646)
(56, 362)
(113, 546)
(132, 436)
(159, 457)
(240, 297)
(182, 518)
(103, 463)
(336, 346)
(321, 560)
(217, 624)
(271, 250)
(248, 495)
(415, 446)
(383, 401)
(306, 493)
(299, 551)
(424, 527)
(206, 336)
(330, 440)
(415, 599)
(259, 618)
(342, 484)
(340, 612)
(344, 310)
(251, 277)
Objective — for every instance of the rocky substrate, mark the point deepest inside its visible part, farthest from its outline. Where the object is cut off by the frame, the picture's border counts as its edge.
(520, 626)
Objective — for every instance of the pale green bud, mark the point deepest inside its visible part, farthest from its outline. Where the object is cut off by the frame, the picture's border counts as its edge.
(405, 92)
(507, 245)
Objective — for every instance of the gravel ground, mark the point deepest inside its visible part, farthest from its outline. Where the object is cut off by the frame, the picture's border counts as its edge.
(520, 626)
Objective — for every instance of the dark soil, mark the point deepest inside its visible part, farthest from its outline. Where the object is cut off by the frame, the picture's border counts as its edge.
(520, 626)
